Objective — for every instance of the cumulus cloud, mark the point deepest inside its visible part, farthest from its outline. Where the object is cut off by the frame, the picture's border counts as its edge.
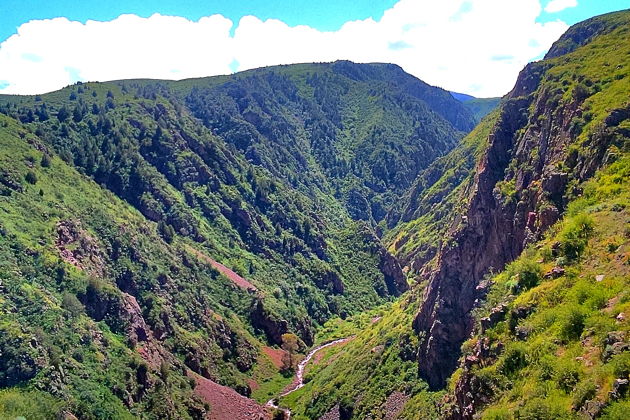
(472, 46)
(555, 6)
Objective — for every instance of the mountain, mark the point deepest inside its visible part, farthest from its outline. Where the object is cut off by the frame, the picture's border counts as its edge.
(479, 107)
(162, 239)
(174, 249)
(553, 133)
(519, 237)
(462, 97)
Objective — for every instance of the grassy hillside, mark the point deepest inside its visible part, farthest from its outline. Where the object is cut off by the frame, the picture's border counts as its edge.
(550, 336)
(66, 327)
(553, 333)
(120, 200)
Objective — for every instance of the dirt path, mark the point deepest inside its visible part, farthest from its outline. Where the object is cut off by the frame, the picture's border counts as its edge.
(234, 278)
(298, 382)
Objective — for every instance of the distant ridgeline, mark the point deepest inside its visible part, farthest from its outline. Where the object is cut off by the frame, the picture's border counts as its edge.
(161, 239)
(149, 229)
(520, 238)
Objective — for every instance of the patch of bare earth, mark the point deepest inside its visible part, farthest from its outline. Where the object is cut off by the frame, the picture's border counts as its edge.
(275, 355)
(394, 405)
(227, 404)
(231, 275)
(253, 385)
(333, 414)
(78, 248)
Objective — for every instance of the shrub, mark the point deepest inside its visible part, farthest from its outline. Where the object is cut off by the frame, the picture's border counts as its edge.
(571, 323)
(166, 231)
(514, 359)
(497, 413)
(547, 367)
(71, 304)
(567, 375)
(45, 162)
(539, 409)
(584, 392)
(575, 235)
(32, 405)
(526, 274)
(31, 178)
(617, 410)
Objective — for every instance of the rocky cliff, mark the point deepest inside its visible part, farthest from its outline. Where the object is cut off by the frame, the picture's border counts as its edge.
(530, 170)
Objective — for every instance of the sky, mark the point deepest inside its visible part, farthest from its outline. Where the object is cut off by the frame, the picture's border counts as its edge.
(470, 46)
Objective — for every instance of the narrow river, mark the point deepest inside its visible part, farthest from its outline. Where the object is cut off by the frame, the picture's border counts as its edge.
(298, 382)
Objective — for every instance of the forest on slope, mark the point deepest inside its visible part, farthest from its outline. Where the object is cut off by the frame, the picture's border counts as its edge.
(520, 240)
(153, 228)
(155, 232)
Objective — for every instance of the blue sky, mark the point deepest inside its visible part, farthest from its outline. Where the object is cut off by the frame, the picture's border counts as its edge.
(473, 46)
(325, 15)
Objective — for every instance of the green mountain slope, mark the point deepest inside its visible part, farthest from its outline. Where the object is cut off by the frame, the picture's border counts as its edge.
(480, 107)
(359, 132)
(544, 176)
(121, 200)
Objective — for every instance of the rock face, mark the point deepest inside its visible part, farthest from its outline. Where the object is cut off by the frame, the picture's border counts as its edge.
(78, 248)
(517, 193)
(391, 269)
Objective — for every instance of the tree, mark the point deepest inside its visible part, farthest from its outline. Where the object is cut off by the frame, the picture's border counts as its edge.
(77, 114)
(71, 304)
(63, 114)
(166, 231)
(31, 178)
(290, 344)
(45, 161)
(42, 113)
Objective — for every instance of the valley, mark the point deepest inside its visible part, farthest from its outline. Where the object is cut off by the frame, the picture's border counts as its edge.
(321, 241)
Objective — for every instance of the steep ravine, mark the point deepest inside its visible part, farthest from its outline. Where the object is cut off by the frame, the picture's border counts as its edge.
(298, 381)
(522, 185)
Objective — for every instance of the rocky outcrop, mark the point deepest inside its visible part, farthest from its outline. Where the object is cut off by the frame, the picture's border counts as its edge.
(273, 327)
(471, 391)
(139, 333)
(483, 242)
(391, 269)
(79, 248)
(517, 193)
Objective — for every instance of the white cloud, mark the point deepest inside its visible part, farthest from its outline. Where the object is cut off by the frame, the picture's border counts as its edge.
(555, 6)
(472, 46)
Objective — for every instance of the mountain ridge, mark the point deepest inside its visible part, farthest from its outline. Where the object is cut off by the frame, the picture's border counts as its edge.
(221, 226)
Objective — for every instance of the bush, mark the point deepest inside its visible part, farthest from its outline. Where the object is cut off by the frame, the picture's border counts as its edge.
(584, 392)
(525, 274)
(539, 409)
(514, 359)
(571, 323)
(32, 405)
(617, 411)
(31, 178)
(45, 162)
(497, 413)
(575, 235)
(166, 231)
(567, 375)
(71, 304)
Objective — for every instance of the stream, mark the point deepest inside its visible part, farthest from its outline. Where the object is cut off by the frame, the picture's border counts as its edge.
(298, 382)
